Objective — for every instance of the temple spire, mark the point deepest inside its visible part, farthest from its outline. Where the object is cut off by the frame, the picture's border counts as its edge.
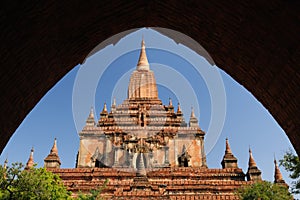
(30, 161)
(170, 102)
(104, 112)
(91, 119)
(253, 173)
(113, 106)
(104, 108)
(5, 163)
(180, 116)
(251, 162)
(54, 148)
(5, 168)
(114, 102)
(229, 161)
(52, 160)
(192, 113)
(91, 115)
(143, 63)
(228, 149)
(170, 107)
(277, 175)
(178, 108)
(142, 83)
(193, 119)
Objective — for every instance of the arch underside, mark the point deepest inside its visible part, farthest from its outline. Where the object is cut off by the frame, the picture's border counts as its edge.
(256, 42)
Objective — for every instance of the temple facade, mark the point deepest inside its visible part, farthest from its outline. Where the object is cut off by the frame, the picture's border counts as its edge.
(141, 118)
(146, 150)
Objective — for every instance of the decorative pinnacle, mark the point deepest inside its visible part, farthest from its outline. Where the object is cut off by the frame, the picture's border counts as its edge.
(178, 108)
(114, 102)
(104, 108)
(277, 176)
(30, 161)
(91, 119)
(5, 163)
(252, 162)
(170, 102)
(228, 149)
(91, 115)
(192, 113)
(31, 153)
(54, 148)
(143, 63)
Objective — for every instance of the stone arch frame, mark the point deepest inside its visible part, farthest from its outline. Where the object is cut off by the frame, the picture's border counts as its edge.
(255, 42)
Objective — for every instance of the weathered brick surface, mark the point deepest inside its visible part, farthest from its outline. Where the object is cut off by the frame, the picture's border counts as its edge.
(256, 42)
(165, 183)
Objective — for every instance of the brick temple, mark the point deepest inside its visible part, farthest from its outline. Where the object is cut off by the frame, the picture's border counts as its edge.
(146, 150)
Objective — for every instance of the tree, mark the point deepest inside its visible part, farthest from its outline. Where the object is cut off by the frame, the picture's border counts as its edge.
(264, 191)
(291, 163)
(35, 183)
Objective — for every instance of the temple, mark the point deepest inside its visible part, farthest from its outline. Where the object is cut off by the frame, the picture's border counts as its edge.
(146, 150)
(141, 118)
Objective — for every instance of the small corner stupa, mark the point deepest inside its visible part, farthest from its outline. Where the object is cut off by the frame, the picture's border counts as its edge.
(52, 160)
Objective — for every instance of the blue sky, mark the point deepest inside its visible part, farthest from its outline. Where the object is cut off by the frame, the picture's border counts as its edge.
(223, 106)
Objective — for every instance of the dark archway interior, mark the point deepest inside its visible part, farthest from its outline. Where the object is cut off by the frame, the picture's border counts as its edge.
(185, 163)
(256, 42)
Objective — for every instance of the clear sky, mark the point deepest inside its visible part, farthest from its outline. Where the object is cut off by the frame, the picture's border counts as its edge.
(223, 106)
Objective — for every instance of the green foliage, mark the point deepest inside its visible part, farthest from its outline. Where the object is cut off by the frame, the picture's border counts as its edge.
(291, 163)
(36, 183)
(94, 194)
(264, 191)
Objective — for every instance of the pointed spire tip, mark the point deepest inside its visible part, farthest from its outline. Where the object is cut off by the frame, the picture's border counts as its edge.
(178, 108)
(143, 63)
(192, 112)
(91, 115)
(54, 148)
(170, 101)
(114, 102)
(252, 162)
(105, 107)
(30, 161)
(228, 149)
